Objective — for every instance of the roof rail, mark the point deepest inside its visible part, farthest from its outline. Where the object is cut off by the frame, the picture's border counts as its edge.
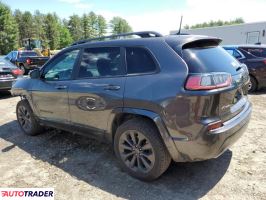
(142, 34)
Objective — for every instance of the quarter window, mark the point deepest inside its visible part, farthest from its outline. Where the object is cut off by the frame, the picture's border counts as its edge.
(139, 61)
(101, 62)
(61, 68)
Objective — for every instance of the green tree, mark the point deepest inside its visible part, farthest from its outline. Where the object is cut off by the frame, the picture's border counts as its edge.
(92, 25)
(119, 25)
(39, 27)
(65, 37)
(216, 23)
(27, 27)
(8, 30)
(52, 27)
(101, 26)
(18, 18)
(75, 27)
(85, 26)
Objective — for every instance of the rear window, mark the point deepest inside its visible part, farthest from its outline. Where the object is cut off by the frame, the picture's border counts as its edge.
(139, 60)
(209, 59)
(259, 52)
(27, 54)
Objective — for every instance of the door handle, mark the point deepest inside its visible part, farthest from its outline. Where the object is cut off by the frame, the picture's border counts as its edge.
(61, 87)
(112, 87)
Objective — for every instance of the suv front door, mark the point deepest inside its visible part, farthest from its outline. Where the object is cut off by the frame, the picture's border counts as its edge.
(98, 88)
(49, 93)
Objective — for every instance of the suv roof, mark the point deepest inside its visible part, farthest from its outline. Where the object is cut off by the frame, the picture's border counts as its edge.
(177, 41)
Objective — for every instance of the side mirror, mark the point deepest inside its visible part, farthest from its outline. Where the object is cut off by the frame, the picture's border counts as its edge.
(35, 74)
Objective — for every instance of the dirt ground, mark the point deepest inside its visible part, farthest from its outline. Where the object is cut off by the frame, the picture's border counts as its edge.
(81, 168)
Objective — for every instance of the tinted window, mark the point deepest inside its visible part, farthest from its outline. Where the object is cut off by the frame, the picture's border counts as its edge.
(259, 52)
(139, 61)
(61, 67)
(210, 59)
(98, 62)
(27, 53)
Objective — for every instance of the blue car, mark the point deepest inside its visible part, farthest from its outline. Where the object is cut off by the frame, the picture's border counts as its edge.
(255, 63)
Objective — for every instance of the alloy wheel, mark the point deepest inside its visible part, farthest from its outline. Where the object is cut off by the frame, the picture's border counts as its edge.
(136, 151)
(24, 118)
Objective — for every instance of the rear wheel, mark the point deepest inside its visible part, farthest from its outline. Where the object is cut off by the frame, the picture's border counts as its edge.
(140, 150)
(253, 85)
(26, 119)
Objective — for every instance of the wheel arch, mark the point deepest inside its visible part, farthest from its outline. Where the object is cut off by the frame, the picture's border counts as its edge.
(255, 78)
(119, 116)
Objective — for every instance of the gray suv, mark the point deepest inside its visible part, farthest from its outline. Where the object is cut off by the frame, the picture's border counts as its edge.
(153, 98)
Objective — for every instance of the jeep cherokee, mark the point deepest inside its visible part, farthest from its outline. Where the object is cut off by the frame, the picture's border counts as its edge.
(154, 98)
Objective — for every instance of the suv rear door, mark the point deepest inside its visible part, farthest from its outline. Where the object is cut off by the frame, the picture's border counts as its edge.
(216, 59)
(98, 88)
(205, 56)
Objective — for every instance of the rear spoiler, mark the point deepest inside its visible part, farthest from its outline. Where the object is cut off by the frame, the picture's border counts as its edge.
(203, 42)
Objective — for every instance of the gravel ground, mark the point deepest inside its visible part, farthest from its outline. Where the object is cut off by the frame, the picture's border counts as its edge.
(81, 168)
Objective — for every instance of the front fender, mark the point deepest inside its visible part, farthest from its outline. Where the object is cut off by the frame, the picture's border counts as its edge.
(21, 87)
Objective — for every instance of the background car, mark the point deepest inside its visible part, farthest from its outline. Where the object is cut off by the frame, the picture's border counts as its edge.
(256, 50)
(8, 73)
(256, 66)
(26, 60)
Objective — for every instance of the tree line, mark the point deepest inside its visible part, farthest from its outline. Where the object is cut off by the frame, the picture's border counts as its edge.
(55, 33)
(216, 23)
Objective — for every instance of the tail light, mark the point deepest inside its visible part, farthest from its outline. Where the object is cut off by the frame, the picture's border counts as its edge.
(208, 81)
(215, 125)
(28, 61)
(17, 72)
(264, 61)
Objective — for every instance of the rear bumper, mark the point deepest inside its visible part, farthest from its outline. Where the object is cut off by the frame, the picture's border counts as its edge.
(211, 144)
(6, 84)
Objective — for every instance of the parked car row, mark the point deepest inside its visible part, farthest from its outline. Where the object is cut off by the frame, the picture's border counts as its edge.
(26, 60)
(254, 56)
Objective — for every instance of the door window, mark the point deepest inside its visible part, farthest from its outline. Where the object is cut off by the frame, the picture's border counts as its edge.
(101, 62)
(61, 68)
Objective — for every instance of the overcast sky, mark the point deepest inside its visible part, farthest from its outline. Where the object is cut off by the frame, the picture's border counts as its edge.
(161, 16)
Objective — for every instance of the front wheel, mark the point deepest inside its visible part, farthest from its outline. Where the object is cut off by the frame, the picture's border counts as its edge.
(26, 119)
(140, 149)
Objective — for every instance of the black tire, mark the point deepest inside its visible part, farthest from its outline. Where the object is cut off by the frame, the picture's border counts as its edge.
(145, 128)
(253, 85)
(25, 115)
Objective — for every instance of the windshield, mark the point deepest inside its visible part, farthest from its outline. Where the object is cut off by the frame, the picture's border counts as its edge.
(27, 54)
